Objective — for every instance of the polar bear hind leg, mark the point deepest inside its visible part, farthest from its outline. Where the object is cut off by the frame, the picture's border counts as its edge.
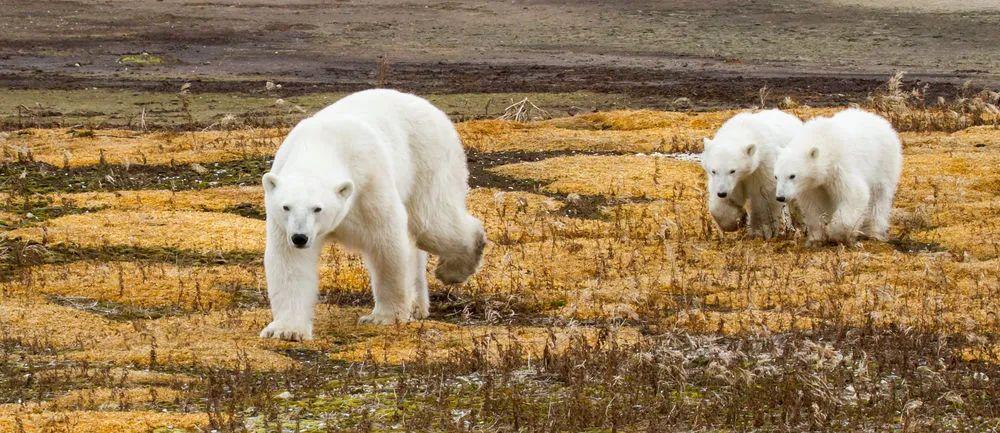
(459, 247)
(877, 225)
(422, 303)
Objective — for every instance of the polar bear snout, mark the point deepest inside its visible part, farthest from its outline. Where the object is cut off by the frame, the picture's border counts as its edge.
(780, 198)
(300, 240)
(722, 194)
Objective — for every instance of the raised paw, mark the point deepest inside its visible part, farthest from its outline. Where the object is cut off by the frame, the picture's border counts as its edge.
(451, 272)
(286, 331)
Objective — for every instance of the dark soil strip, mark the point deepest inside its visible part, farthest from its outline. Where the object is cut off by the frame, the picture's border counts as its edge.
(705, 89)
(910, 246)
(42, 178)
(16, 254)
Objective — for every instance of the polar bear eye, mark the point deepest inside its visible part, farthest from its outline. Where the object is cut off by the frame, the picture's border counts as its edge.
(791, 177)
(317, 209)
(285, 207)
(713, 171)
(732, 171)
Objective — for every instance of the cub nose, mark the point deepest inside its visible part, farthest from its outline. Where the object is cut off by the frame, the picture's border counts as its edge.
(300, 240)
(722, 194)
(780, 198)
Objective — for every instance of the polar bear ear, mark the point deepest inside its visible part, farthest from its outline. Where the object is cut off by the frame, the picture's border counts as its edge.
(706, 143)
(270, 181)
(751, 148)
(345, 190)
(814, 152)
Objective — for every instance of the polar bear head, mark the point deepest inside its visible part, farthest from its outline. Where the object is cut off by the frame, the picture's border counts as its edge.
(727, 160)
(799, 167)
(305, 208)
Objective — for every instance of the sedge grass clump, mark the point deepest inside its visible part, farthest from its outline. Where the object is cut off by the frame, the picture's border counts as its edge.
(908, 110)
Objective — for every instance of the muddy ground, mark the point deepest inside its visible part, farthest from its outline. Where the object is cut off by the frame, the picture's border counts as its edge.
(715, 53)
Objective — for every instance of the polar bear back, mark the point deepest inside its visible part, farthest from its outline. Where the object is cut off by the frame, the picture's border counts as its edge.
(857, 142)
(769, 128)
(415, 138)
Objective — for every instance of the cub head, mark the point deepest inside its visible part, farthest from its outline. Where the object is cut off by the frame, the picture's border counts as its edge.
(305, 209)
(796, 169)
(727, 163)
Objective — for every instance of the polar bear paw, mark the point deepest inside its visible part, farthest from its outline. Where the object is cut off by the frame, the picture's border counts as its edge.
(763, 232)
(287, 331)
(421, 310)
(380, 318)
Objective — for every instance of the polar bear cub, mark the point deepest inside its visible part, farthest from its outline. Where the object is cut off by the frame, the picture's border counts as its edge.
(739, 163)
(380, 172)
(842, 171)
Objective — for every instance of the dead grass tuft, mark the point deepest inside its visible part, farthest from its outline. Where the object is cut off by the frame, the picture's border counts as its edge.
(908, 109)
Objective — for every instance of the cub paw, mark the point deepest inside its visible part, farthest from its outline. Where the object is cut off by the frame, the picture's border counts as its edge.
(376, 318)
(288, 332)
(421, 312)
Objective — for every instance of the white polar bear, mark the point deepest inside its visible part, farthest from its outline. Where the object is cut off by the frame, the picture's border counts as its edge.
(842, 171)
(739, 163)
(380, 172)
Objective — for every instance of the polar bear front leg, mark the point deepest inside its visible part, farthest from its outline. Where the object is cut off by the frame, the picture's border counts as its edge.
(852, 207)
(765, 217)
(292, 289)
(390, 261)
(726, 214)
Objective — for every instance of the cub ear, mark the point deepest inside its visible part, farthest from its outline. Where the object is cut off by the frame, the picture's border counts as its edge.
(813, 152)
(751, 148)
(706, 143)
(270, 181)
(345, 190)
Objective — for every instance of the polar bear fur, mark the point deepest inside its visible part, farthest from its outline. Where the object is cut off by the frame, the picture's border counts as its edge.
(382, 173)
(842, 172)
(739, 163)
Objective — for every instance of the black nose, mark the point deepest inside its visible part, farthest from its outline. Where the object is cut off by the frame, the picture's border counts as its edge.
(300, 239)
(722, 194)
(780, 198)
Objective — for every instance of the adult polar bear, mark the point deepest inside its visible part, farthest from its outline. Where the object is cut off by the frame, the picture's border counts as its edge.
(380, 172)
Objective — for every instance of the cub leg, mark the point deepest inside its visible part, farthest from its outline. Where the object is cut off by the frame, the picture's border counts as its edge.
(852, 209)
(877, 226)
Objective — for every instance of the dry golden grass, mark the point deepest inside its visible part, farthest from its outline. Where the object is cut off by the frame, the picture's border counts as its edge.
(203, 232)
(651, 257)
(101, 422)
(614, 176)
(436, 340)
(7, 218)
(209, 200)
(141, 285)
(66, 147)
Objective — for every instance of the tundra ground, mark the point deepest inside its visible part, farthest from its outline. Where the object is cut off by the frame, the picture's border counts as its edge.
(132, 291)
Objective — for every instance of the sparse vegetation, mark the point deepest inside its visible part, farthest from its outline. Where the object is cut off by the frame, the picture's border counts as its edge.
(132, 291)
(909, 109)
